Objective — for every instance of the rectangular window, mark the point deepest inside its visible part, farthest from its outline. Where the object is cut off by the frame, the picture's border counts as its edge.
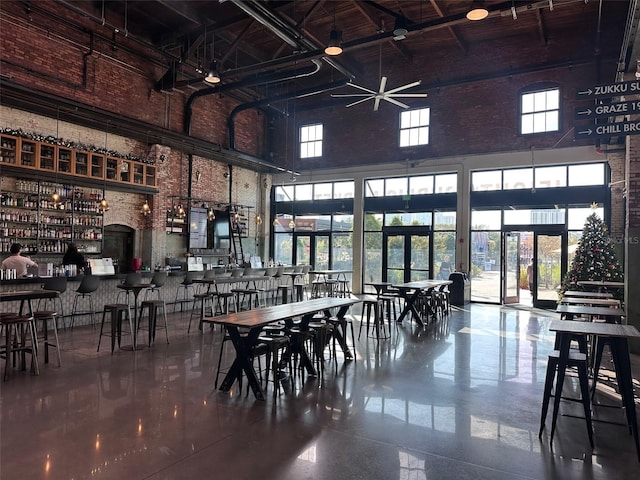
(343, 189)
(549, 177)
(540, 111)
(590, 174)
(395, 186)
(447, 183)
(414, 127)
(304, 191)
(421, 185)
(322, 191)
(374, 188)
(517, 178)
(487, 180)
(311, 141)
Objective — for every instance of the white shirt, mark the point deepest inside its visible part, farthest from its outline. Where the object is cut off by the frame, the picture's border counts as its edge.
(19, 263)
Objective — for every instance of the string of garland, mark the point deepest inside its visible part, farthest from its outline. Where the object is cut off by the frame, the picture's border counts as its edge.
(37, 137)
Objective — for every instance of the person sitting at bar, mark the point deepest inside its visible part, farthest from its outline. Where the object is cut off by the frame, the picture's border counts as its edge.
(74, 257)
(17, 261)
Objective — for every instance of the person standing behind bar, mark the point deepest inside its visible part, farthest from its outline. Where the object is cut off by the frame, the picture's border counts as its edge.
(17, 261)
(74, 257)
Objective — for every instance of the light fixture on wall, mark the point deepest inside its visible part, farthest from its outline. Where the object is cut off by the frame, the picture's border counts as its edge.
(211, 215)
(180, 211)
(258, 219)
(146, 208)
(477, 12)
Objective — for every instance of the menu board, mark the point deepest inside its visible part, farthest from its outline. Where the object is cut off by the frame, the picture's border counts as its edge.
(197, 227)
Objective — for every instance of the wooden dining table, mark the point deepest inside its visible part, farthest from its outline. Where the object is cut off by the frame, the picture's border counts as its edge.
(411, 291)
(583, 294)
(594, 302)
(255, 320)
(611, 314)
(617, 337)
(26, 296)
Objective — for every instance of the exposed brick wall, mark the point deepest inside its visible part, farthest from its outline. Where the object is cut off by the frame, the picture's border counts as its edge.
(48, 54)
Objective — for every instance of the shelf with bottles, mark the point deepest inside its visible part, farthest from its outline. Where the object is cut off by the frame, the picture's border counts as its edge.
(8, 146)
(81, 165)
(124, 170)
(53, 246)
(29, 245)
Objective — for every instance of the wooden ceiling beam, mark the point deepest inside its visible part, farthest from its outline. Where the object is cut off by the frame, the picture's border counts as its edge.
(441, 13)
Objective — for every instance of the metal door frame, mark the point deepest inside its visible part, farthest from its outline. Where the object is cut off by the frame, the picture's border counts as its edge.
(407, 232)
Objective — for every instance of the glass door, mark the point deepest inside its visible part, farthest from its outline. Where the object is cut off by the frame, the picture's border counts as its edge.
(407, 256)
(548, 267)
(511, 268)
(312, 249)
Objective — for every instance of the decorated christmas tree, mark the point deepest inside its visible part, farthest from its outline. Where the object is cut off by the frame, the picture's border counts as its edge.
(595, 258)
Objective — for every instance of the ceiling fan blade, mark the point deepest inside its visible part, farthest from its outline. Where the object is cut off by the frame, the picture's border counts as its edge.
(376, 104)
(404, 87)
(358, 101)
(343, 95)
(395, 102)
(361, 88)
(406, 95)
(383, 84)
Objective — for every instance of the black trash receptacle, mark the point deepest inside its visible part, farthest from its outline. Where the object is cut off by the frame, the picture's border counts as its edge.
(460, 289)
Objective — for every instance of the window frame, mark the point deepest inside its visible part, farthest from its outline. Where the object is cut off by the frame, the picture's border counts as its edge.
(304, 145)
(539, 88)
(411, 128)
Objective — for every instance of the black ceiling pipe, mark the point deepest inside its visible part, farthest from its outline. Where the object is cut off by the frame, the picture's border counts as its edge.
(247, 82)
(267, 101)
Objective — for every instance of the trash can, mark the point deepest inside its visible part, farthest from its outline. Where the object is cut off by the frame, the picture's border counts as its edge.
(460, 289)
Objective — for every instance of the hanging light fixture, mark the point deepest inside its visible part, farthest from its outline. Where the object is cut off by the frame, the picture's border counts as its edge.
(334, 46)
(55, 196)
(212, 77)
(477, 12)
(180, 211)
(211, 215)
(146, 209)
(335, 39)
(103, 205)
(276, 222)
(258, 219)
(292, 224)
(400, 28)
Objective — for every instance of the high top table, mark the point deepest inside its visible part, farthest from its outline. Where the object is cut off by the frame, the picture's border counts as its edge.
(411, 291)
(617, 336)
(594, 302)
(581, 294)
(612, 314)
(254, 320)
(27, 296)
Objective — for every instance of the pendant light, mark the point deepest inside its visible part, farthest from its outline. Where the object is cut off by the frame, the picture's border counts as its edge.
(334, 46)
(103, 205)
(212, 77)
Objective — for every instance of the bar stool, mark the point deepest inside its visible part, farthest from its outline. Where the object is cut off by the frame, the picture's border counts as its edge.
(185, 287)
(88, 285)
(283, 291)
(370, 305)
(252, 293)
(157, 281)
(133, 278)
(153, 307)
(44, 316)
(202, 299)
(16, 341)
(59, 284)
(576, 360)
(276, 344)
(116, 312)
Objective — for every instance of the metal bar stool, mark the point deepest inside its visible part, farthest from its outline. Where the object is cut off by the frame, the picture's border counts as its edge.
(16, 341)
(116, 312)
(153, 307)
(44, 316)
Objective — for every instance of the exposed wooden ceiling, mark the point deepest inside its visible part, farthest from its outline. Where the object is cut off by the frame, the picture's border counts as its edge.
(250, 39)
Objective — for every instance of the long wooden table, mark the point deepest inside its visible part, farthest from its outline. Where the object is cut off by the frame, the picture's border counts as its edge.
(27, 296)
(594, 302)
(255, 320)
(612, 314)
(582, 294)
(411, 291)
(617, 336)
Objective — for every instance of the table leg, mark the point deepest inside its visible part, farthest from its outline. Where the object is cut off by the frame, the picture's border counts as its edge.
(564, 346)
(243, 362)
(620, 352)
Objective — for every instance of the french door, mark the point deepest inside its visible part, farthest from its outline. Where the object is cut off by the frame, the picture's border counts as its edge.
(312, 249)
(549, 266)
(511, 268)
(407, 254)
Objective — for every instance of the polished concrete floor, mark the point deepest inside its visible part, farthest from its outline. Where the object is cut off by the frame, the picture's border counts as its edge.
(457, 401)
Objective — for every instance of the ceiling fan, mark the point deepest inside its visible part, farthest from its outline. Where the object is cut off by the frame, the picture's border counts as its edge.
(388, 95)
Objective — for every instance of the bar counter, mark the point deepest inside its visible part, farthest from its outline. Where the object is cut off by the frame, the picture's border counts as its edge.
(107, 293)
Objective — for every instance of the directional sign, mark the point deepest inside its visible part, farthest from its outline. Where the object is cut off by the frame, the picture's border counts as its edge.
(610, 110)
(610, 90)
(607, 130)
